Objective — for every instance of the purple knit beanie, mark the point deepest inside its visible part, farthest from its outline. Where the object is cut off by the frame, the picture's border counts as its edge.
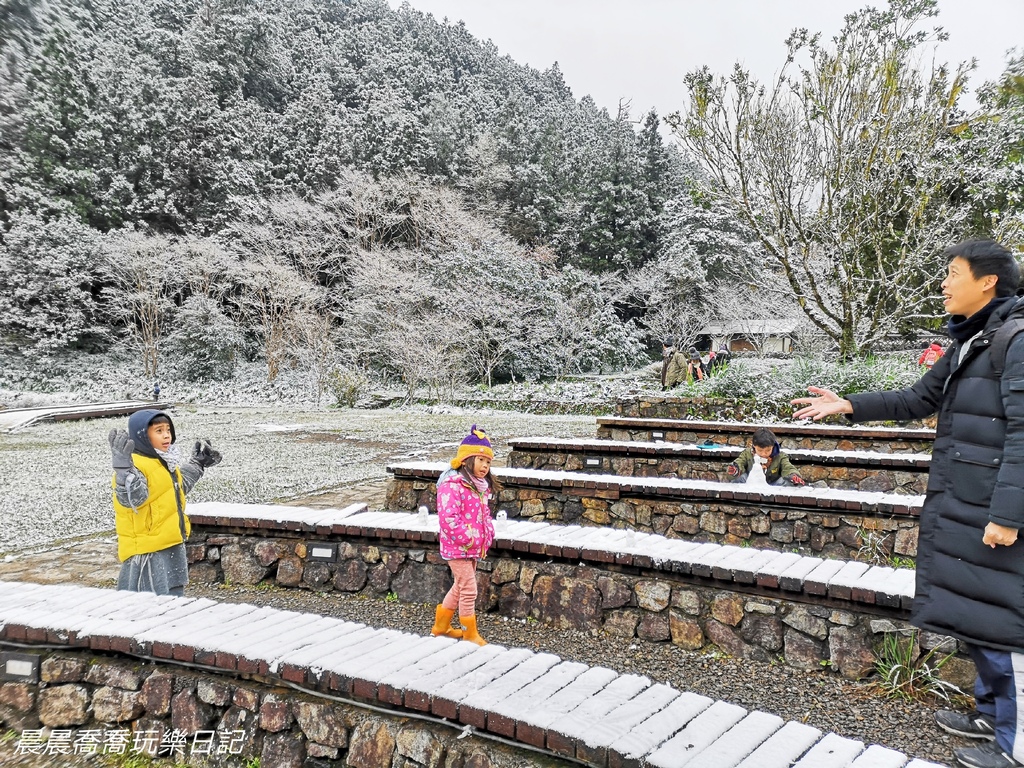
(473, 444)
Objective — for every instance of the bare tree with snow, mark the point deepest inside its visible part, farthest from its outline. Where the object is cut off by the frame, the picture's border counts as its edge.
(761, 318)
(393, 323)
(144, 272)
(838, 168)
(274, 298)
(680, 322)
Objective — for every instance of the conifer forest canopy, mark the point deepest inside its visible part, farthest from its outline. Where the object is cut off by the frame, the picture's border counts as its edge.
(351, 188)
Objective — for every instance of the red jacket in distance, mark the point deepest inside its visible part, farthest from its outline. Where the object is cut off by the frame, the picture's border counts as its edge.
(931, 355)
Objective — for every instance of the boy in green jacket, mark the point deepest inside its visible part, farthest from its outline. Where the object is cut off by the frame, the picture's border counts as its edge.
(778, 469)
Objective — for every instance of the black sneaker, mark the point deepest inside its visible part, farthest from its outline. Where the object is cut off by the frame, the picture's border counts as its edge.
(988, 755)
(973, 725)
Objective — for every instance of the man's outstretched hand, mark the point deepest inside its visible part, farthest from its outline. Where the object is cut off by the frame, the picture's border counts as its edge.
(826, 403)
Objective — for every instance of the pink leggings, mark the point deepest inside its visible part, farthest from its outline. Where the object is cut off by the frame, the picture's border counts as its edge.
(462, 595)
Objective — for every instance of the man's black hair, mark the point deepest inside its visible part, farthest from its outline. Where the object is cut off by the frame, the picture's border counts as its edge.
(159, 419)
(987, 257)
(763, 438)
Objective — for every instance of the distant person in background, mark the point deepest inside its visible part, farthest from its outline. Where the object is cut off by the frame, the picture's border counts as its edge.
(766, 451)
(673, 365)
(695, 367)
(150, 482)
(931, 355)
(720, 360)
(156, 391)
(466, 531)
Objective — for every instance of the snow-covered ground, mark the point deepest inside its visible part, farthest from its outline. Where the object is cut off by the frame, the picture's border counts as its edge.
(55, 477)
(89, 378)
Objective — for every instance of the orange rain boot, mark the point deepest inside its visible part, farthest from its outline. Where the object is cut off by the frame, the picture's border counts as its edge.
(470, 633)
(443, 623)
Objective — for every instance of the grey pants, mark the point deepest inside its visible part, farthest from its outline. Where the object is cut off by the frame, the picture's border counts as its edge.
(164, 572)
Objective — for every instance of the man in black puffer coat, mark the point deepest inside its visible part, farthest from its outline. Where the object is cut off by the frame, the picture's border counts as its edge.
(970, 566)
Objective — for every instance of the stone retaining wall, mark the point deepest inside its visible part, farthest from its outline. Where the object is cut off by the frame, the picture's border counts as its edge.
(737, 409)
(622, 602)
(103, 704)
(235, 684)
(790, 436)
(708, 466)
(830, 533)
(667, 407)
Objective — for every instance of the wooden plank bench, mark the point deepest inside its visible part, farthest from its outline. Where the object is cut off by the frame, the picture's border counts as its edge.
(878, 588)
(757, 604)
(823, 437)
(649, 405)
(811, 520)
(591, 714)
(853, 470)
(14, 419)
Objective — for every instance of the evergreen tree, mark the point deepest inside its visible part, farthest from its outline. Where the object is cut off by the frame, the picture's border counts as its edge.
(166, 114)
(51, 275)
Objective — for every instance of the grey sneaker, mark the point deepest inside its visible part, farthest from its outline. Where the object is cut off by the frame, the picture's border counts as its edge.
(973, 725)
(989, 755)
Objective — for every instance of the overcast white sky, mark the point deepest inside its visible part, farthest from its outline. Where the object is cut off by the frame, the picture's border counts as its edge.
(640, 49)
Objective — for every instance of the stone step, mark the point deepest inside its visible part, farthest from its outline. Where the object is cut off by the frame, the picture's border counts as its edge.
(790, 434)
(787, 574)
(589, 715)
(852, 470)
(814, 520)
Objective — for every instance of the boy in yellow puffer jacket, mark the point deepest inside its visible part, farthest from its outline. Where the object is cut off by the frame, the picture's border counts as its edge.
(150, 482)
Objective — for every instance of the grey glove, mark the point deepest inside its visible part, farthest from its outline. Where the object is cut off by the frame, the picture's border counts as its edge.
(121, 449)
(204, 455)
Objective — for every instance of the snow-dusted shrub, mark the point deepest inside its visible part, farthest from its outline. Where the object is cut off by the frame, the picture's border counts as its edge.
(859, 375)
(773, 383)
(739, 379)
(203, 341)
(347, 385)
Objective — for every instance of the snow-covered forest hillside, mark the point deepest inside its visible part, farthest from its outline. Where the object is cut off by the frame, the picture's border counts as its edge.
(340, 192)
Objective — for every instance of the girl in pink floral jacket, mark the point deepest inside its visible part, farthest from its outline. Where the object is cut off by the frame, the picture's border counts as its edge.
(463, 493)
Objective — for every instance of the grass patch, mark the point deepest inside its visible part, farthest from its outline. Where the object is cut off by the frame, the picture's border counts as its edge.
(905, 673)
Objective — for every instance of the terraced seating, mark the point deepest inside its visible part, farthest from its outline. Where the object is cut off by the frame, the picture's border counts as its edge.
(764, 605)
(811, 520)
(822, 437)
(787, 574)
(590, 714)
(854, 470)
(668, 406)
